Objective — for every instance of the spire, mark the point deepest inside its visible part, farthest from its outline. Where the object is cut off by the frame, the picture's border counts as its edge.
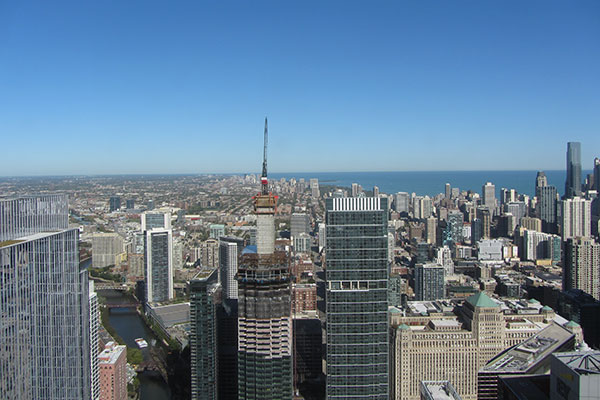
(263, 179)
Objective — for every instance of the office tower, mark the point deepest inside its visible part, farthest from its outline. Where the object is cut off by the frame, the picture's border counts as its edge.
(130, 203)
(158, 259)
(431, 341)
(203, 334)
(484, 214)
(302, 243)
(264, 308)
(227, 350)
(582, 266)
(476, 230)
(229, 252)
(453, 234)
(401, 202)
(355, 190)
(488, 194)
(177, 254)
(448, 190)
(300, 223)
(547, 208)
(576, 218)
(597, 174)
(94, 343)
(508, 196)
(112, 363)
(210, 253)
(114, 203)
(444, 258)
(375, 191)
(27, 215)
(150, 205)
(314, 188)
(107, 249)
(582, 308)
(575, 375)
(573, 182)
(426, 207)
(540, 246)
(422, 252)
(430, 230)
(44, 303)
(151, 220)
(217, 230)
(308, 345)
(518, 209)
(429, 282)
(357, 302)
(322, 235)
(540, 180)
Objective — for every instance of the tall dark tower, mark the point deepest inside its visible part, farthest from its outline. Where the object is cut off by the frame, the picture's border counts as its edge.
(264, 308)
(573, 183)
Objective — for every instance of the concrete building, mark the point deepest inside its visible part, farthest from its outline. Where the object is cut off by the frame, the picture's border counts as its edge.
(429, 282)
(114, 203)
(431, 230)
(94, 342)
(540, 246)
(357, 299)
(216, 231)
(401, 202)
(575, 375)
(302, 243)
(299, 223)
(582, 266)
(547, 208)
(210, 253)
(154, 219)
(488, 195)
(203, 334)
(158, 259)
(112, 363)
(44, 303)
(484, 215)
(452, 341)
(107, 249)
(304, 298)
(453, 234)
(576, 218)
(532, 224)
(438, 390)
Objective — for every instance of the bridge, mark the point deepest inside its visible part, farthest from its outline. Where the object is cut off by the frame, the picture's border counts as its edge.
(122, 305)
(98, 285)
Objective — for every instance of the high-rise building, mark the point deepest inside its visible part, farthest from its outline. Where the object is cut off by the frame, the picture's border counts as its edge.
(158, 245)
(582, 266)
(314, 188)
(448, 190)
(94, 343)
(573, 182)
(540, 246)
(484, 215)
(576, 218)
(547, 208)
(217, 230)
(429, 282)
(210, 253)
(575, 375)
(401, 202)
(264, 308)
(430, 230)
(453, 234)
(488, 194)
(597, 174)
(541, 180)
(114, 203)
(357, 301)
(375, 191)
(112, 363)
(532, 224)
(151, 220)
(203, 334)
(230, 249)
(130, 203)
(107, 249)
(44, 303)
(299, 223)
(438, 390)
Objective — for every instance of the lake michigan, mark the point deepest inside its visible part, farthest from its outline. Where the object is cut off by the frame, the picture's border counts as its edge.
(433, 182)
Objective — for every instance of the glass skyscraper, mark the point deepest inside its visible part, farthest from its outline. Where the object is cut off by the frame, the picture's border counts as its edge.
(44, 303)
(573, 183)
(356, 298)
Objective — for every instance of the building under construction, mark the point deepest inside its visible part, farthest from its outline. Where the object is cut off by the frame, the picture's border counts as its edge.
(264, 308)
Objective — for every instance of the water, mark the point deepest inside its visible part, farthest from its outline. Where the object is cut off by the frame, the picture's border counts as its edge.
(433, 182)
(128, 324)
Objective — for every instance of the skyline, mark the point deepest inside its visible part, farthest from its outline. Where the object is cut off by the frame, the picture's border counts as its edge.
(144, 88)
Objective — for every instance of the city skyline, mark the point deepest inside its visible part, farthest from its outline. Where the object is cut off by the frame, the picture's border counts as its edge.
(97, 90)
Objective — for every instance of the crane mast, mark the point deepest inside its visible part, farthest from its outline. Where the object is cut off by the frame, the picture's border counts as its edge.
(263, 179)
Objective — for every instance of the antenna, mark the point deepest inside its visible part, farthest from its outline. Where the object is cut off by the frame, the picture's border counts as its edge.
(263, 179)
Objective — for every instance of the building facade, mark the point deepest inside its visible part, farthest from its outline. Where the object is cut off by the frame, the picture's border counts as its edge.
(573, 182)
(356, 298)
(112, 363)
(429, 282)
(576, 217)
(582, 266)
(158, 259)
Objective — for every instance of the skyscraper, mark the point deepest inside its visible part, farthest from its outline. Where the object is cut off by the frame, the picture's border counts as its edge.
(582, 266)
(488, 192)
(114, 204)
(44, 303)
(573, 182)
(158, 246)
(357, 302)
(203, 335)
(576, 217)
(401, 202)
(547, 201)
(264, 308)
(151, 220)
(229, 251)
(597, 174)
(94, 343)
(429, 281)
(113, 372)
(540, 180)
(300, 223)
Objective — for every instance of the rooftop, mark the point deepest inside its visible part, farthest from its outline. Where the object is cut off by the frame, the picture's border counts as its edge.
(481, 300)
(583, 363)
(439, 390)
(111, 353)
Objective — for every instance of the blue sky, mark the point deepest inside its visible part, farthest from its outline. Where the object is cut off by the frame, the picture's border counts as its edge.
(112, 87)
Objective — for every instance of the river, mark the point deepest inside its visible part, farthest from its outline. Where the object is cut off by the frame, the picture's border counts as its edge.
(128, 324)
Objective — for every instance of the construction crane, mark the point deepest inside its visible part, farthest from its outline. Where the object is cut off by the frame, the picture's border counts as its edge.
(263, 179)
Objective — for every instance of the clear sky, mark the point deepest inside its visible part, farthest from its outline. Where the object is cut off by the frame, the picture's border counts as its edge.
(110, 87)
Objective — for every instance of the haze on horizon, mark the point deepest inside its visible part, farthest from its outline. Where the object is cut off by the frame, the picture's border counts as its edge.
(158, 88)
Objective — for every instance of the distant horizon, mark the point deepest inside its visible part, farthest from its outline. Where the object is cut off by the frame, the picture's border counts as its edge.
(282, 173)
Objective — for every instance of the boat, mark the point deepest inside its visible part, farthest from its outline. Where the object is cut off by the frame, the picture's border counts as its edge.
(141, 343)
